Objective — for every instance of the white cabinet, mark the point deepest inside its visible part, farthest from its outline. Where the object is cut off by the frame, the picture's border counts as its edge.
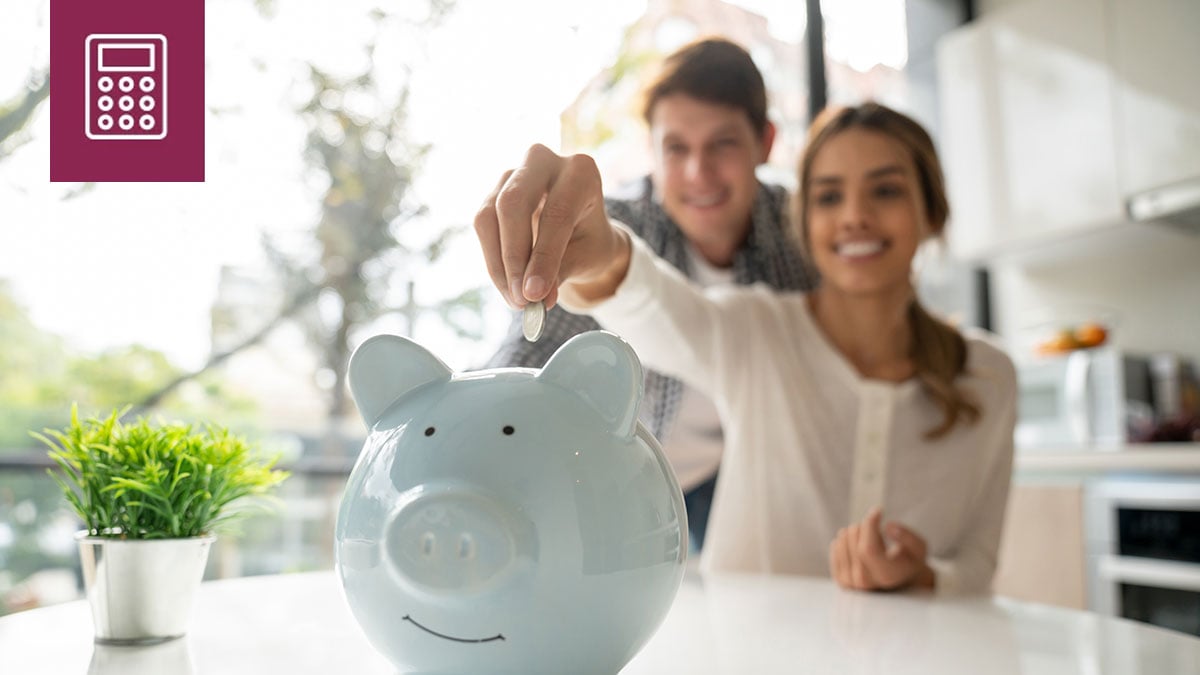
(1028, 126)
(1055, 111)
(971, 142)
(1056, 117)
(1155, 48)
(1041, 555)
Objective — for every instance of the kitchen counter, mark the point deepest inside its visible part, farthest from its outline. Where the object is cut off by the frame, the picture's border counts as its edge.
(722, 625)
(1173, 458)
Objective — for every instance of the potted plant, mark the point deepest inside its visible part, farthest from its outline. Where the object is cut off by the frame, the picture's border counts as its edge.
(151, 497)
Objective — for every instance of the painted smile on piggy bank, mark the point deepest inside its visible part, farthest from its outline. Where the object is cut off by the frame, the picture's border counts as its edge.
(530, 501)
(449, 637)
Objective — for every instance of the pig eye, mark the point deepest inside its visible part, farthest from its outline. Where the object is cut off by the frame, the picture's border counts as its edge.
(508, 430)
(429, 431)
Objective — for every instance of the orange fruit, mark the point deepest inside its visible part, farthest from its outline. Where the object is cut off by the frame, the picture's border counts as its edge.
(1090, 334)
(1062, 342)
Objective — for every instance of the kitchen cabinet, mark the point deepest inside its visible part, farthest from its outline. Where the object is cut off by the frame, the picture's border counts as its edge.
(1028, 126)
(1154, 52)
(1055, 112)
(1041, 555)
(970, 143)
(1044, 553)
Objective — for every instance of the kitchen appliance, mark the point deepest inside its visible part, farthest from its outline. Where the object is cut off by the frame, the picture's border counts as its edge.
(1176, 204)
(1171, 376)
(1143, 551)
(1086, 397)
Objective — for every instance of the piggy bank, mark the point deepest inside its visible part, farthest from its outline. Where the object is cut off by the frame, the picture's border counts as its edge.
(510, 520)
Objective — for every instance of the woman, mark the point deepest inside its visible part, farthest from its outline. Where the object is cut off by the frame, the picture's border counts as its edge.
(840, 405)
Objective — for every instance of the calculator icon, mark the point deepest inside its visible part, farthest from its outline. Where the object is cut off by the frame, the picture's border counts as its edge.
(126, 87)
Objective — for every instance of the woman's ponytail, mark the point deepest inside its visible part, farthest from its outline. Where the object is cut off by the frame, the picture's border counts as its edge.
(939, 354)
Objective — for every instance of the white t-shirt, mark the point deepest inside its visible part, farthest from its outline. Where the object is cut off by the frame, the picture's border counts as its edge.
(696, 440)
(810, 445)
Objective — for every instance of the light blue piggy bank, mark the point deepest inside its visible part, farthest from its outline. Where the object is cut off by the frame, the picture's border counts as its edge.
(508, 521)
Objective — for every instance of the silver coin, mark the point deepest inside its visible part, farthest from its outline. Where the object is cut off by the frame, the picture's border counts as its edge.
(533, 320)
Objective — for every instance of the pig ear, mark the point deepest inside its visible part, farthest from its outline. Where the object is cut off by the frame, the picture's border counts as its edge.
(385, 367)
(604, 371)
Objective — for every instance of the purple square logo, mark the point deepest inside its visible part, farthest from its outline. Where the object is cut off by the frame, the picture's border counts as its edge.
(127, 90)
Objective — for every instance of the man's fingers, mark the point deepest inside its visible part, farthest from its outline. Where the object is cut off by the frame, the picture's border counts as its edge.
(487, 229)
(571, 195)
(516, 202)
(541, 226)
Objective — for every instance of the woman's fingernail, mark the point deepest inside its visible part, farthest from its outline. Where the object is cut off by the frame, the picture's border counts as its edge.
(535, 287)
(514, 287)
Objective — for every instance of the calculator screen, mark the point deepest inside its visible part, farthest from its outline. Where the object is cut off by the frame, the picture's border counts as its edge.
(127, 57)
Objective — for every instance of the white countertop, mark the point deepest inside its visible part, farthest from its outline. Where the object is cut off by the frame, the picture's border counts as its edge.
(1173, 458)
(300, 624)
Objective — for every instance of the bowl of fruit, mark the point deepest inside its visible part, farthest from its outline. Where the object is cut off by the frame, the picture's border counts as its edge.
(1063, 331)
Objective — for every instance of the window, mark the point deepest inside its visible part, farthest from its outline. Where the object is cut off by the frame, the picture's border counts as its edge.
(110, 291)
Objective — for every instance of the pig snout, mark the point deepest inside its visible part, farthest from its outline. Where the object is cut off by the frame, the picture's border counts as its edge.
(455, 541)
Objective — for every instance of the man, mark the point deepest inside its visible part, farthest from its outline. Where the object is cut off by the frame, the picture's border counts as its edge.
(704, 211)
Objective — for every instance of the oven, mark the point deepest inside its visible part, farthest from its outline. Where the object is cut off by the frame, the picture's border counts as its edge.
(1143, 540)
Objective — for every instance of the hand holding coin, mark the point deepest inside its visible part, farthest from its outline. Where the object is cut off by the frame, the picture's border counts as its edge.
(543, 229)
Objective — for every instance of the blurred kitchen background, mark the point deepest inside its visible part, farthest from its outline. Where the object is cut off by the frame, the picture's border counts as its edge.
(349, 145)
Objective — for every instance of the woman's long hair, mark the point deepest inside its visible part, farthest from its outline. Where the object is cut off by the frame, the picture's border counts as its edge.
(939, 352)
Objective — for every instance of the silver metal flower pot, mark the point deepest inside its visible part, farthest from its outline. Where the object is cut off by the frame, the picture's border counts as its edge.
(169, 658)
(141, 590)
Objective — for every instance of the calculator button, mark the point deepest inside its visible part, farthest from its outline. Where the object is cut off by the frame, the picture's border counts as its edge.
(126, 122)
(146, 83)
(105, 83)
(146, 103)
(146, 122)
(126, 103)
(104, 122)
(126, 83)
(105, 103)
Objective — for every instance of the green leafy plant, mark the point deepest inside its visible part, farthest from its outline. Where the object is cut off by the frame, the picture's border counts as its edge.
(154, 481)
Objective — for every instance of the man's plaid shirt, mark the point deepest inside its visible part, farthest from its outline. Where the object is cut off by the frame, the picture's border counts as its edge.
(768, 255)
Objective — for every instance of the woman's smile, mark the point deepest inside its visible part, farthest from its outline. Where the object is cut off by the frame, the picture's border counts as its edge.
(862, 249)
